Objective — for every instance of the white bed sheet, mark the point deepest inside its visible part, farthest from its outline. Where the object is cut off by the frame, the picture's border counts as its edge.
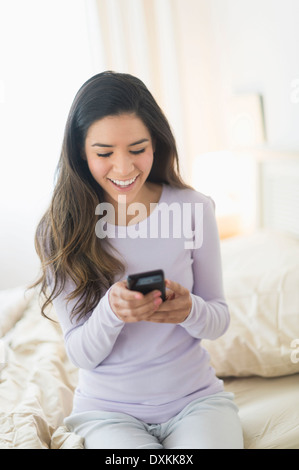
(268, 409)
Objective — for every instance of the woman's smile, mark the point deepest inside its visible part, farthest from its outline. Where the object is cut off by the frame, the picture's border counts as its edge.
(123, 185)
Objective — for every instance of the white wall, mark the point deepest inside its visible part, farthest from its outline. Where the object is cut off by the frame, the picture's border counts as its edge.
(230, 47)
(258, 41)
(44, 58)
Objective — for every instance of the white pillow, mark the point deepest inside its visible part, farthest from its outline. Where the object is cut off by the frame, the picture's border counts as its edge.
(13, 302)
(261, 282)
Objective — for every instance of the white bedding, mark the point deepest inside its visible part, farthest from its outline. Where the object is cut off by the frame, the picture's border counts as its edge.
(268, 409)
(261, 282)
(36, 385)
(37, 380)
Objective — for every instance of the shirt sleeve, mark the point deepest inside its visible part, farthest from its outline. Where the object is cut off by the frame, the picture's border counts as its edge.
(89, 341)
(209, 316)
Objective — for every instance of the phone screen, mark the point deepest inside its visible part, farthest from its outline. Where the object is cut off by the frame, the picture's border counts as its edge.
(147, 281)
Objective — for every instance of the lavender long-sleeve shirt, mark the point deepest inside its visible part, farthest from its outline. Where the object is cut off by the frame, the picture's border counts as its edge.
(152, 370)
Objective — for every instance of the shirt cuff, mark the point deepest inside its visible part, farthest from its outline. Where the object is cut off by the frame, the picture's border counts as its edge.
(194, 315)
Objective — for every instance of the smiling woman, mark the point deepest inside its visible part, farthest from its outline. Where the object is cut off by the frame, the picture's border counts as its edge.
(139, 354)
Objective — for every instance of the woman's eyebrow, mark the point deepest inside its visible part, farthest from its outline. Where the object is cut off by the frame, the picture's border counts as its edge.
(139, 142)
(97, 144)
(101, 145)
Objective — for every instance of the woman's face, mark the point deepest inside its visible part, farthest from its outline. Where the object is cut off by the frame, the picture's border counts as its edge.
(119, 153)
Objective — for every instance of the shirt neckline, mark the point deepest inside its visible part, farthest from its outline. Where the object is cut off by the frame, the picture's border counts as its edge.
(123, 228)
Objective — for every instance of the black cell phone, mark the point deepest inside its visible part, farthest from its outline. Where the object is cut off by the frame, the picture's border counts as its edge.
(147, 282)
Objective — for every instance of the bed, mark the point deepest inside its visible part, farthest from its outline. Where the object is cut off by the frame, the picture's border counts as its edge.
(257, 358)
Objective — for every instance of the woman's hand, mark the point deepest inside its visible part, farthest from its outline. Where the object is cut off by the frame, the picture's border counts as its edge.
(176, 307)
(132, 306)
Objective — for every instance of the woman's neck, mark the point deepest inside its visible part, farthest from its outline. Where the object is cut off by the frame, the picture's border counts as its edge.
(140, 209)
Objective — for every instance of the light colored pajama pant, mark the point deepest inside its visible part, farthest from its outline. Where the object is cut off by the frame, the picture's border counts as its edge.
(211, 422)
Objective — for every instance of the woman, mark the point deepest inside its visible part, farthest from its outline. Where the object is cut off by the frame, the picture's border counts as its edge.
(144, 379)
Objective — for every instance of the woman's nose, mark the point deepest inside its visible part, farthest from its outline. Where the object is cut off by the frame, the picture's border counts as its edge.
(123, 165)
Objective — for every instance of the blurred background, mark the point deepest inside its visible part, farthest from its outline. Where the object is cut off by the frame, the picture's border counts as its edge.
(226, 73)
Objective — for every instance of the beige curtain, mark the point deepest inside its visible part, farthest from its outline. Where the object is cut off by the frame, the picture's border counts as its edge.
(169, 44)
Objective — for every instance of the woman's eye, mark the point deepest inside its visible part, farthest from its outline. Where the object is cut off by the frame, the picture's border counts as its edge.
(133, 152)
(104, 154)
(137, 152)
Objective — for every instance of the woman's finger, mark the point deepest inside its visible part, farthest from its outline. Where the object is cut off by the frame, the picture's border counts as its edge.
(175, 287)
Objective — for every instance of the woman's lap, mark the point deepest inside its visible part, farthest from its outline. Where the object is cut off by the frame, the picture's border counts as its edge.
(207, 423)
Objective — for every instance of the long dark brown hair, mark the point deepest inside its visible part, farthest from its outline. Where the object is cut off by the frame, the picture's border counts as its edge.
(65, 238)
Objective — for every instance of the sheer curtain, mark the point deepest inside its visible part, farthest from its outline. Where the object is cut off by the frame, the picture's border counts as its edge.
(169, 45)
(138, 37)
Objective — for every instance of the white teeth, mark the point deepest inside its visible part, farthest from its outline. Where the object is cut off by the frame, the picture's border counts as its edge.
(123, 183)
